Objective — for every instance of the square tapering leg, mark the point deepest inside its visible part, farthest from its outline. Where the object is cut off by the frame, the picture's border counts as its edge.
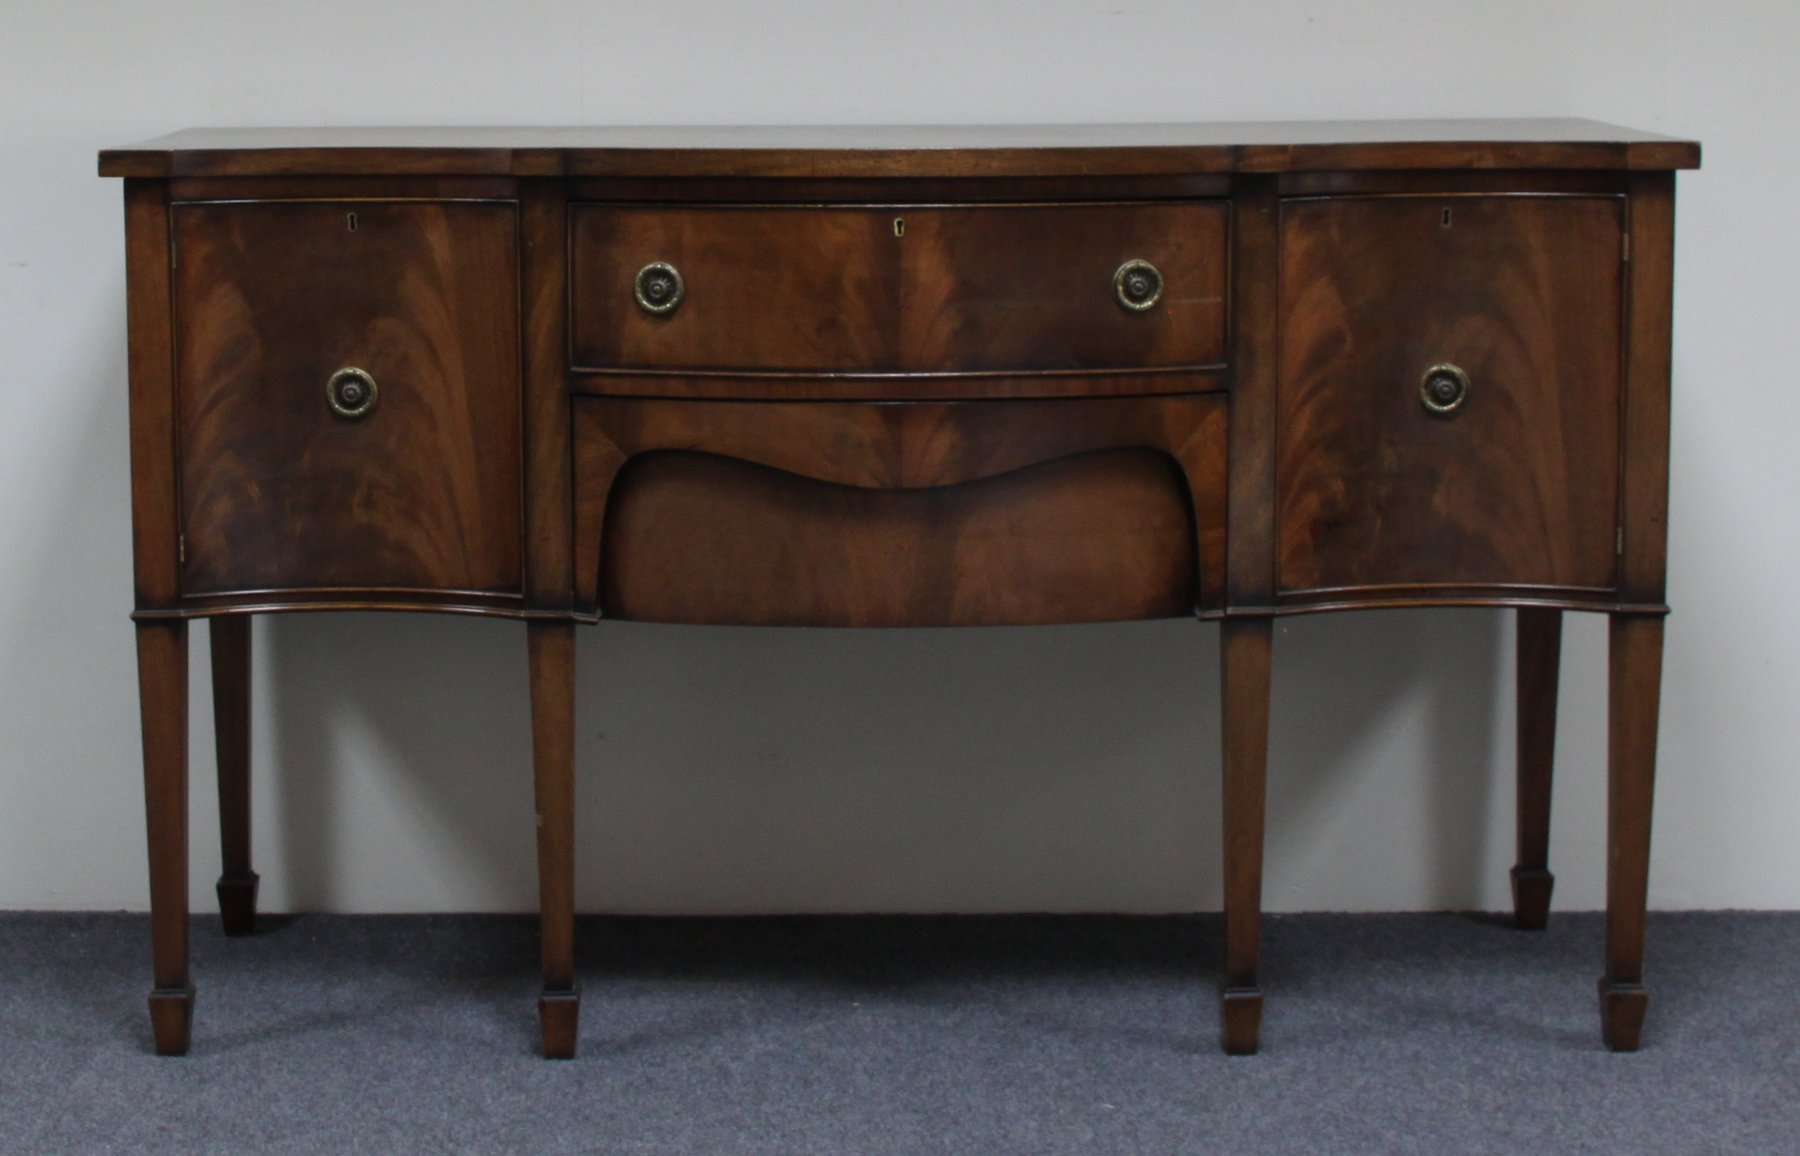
(1539, 663)
(1634, 696)
(1245, 647)
(163, 704)
(552, 656)
(237, 886)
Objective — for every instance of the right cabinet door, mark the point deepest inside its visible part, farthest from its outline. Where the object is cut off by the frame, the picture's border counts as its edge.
(1449, 390)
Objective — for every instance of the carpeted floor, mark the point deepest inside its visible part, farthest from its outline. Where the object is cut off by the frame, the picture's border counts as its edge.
(1431, 1034)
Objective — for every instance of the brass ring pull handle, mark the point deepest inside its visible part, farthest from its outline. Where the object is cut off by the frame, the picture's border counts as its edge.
(658, 288)
(1138, 285)
(1444, 389)
(351, 392)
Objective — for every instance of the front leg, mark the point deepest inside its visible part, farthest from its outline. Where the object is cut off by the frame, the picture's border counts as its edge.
(1245, 645)
(163, 705)
(552, 656)
(1634, 695)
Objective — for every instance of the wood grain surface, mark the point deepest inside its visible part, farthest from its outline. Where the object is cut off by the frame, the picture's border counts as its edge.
(1518, 487)
(782, 288)
(1093, 538)
(902, 150)
(280, 492)
(900, 288)
(927, 514)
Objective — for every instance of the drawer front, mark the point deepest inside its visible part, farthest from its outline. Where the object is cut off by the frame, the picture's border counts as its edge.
(279, 489)
(762, 288)
(1032, 287)
(1385, 479)
(899, 289)
(964, 513)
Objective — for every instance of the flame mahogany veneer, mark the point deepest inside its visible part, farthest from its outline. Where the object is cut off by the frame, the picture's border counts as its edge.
(893, 377)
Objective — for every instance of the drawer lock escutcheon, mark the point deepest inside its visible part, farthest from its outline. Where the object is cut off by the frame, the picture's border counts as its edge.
(658, 288)
(1444, 389)
(351, 392)
(1138, 285)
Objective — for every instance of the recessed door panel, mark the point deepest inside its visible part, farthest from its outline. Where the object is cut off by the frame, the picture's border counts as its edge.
(348, 395)
(1448, 406)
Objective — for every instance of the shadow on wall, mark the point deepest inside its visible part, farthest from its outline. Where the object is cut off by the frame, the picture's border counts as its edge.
(1410, 701)
(724, 770)
(397, 754)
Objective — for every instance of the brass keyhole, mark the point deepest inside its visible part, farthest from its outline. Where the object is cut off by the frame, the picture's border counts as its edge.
(899, 226)
(350, 221)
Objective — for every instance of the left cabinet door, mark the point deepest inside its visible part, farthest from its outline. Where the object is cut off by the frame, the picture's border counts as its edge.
(347, 394)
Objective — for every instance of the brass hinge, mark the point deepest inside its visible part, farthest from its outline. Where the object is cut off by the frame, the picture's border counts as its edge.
(1619, 541)
(1626, 249)
(181, 548)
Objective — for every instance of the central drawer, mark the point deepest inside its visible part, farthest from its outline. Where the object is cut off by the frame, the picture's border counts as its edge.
(1077, 287)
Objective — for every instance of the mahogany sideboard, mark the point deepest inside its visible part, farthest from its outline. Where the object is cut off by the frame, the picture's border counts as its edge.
(893, 377)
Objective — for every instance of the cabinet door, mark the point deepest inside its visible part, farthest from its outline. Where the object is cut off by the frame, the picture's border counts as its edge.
(1516, 484)
(279, 489)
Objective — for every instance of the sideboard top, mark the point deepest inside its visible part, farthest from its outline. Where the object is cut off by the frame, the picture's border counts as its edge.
(902, 151)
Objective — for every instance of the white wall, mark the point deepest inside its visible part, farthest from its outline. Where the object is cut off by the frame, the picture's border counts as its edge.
(1050, 769)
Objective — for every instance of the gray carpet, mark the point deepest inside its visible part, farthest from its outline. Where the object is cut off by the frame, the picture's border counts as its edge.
(1432, 1034)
